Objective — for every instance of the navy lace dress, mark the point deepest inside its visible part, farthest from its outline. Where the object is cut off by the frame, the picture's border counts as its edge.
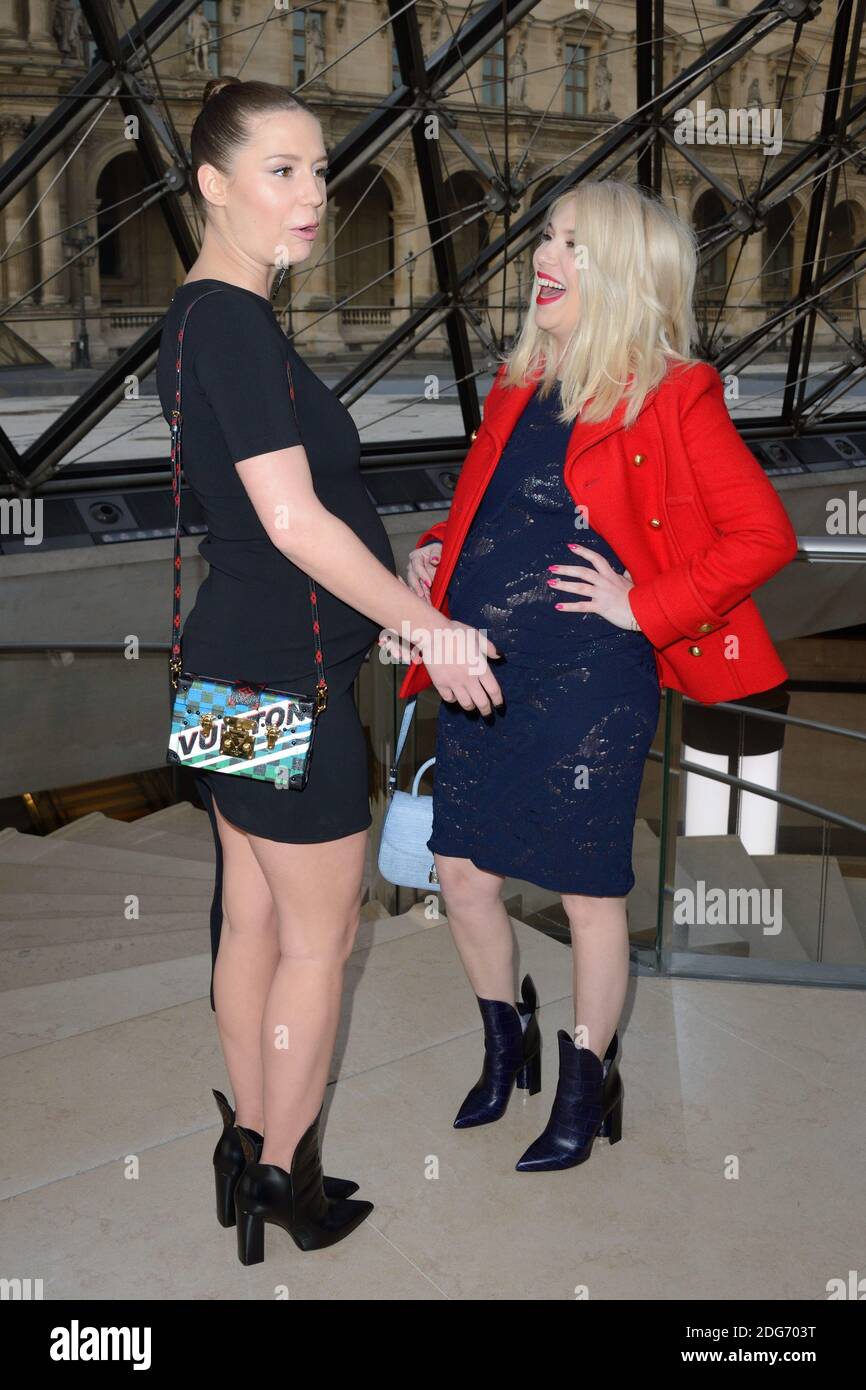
(544, 789)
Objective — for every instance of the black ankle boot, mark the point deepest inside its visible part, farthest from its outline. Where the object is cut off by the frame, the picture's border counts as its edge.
(229, 1163)
(512, 1056)
(588, 1102)
(295, 1200)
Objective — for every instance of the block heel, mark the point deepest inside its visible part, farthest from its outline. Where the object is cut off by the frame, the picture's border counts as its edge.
(528, 1077)
(612, 1127)
(225, 1197)
(251, 1238)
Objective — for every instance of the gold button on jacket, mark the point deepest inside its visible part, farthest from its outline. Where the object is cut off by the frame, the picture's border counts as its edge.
(654, 521)
(695, 651)
(638, 460)
(705, 627)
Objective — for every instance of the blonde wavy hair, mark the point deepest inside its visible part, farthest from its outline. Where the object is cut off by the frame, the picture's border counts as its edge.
(635, 310)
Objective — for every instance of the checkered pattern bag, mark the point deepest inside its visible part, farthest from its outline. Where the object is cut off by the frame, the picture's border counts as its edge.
(228, 726)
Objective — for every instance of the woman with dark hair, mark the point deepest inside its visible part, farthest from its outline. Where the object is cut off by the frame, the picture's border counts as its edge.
(282, 501)
(607, 475)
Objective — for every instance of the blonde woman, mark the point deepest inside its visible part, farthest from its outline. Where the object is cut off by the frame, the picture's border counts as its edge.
(607, 529)
(283, 498)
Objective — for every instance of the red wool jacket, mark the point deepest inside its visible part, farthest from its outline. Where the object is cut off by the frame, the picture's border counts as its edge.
(685, 506)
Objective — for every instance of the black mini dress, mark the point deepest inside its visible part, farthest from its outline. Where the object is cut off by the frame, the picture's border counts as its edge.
(251, 620)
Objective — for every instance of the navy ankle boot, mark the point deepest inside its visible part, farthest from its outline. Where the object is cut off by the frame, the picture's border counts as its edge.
(512, 1056)
(229, 1163)
(588, 1102)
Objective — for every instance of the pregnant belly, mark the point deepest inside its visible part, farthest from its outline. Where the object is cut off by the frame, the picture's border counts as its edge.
(520, 615)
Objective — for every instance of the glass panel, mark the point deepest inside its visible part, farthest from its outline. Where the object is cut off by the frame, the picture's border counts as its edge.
(769, 883)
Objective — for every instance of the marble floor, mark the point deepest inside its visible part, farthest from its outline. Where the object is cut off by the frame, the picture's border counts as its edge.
(738, 1175)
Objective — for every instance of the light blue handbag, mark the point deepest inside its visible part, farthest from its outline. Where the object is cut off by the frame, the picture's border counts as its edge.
(404, 858)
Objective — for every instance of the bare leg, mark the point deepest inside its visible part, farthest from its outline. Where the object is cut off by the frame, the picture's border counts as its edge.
(317, 891)
(480, 926)
(599, 939)
(244, 968)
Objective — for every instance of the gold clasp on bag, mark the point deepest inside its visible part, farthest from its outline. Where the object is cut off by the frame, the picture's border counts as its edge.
(206, 724)
(238, 736)
(272, 734)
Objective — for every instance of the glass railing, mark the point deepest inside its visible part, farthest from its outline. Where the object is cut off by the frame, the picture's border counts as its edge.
(762, 844)
(749, 848)
(749, 861)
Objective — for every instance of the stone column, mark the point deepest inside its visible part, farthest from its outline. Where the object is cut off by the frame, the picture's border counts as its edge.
(50, 252)
(41, 25)
(92, 282)
(18, 277)
(10, 33)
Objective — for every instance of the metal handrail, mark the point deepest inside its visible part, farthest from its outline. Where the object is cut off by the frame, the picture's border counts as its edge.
(778, 718)
(64, 646)
(839, 550)
(785, 798)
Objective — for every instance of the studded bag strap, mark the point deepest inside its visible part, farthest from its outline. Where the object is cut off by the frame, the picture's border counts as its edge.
(176, 432)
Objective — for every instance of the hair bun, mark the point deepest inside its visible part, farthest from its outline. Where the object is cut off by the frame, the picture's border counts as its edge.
(216, 84)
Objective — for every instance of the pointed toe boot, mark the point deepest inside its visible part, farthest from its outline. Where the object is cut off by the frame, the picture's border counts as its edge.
(588, 1102)
(229, 1164)
(512, 1057)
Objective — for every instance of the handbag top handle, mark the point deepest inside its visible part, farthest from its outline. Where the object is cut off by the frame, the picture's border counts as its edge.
(404, 729)
(176, 422)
